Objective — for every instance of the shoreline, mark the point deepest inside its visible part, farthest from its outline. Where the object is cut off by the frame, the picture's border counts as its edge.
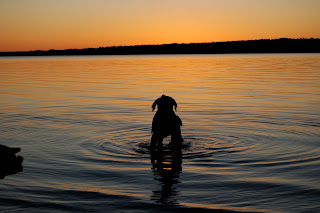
(282, 45)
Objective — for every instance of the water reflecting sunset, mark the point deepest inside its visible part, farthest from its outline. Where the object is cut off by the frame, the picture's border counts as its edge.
(250, 129)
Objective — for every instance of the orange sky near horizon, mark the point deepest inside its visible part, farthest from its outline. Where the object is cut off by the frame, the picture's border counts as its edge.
(63, 24)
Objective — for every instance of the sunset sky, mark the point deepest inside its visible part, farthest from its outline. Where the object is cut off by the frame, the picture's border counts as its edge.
(63, 24)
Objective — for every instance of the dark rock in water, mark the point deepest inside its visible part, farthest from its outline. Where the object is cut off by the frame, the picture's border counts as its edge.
(9, 162)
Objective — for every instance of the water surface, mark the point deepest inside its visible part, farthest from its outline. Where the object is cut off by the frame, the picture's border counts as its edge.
(251, 131)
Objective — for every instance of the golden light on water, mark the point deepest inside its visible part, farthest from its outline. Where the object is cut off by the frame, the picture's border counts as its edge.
(250, 130)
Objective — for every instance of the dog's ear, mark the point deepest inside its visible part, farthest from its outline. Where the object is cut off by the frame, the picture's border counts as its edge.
(175, 104)
(154, 104)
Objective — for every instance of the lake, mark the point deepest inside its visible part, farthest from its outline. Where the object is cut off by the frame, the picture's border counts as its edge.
(251, 129)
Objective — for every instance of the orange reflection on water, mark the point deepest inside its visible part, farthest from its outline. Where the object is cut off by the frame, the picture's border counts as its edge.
(210, 170)
(104, 191)
(218, 207)
(228, 104)
(267, 180)
(208, 77)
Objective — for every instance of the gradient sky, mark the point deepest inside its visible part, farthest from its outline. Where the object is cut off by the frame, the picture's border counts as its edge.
(63, 24)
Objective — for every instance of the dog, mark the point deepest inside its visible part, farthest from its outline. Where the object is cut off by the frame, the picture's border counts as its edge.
(165, 122)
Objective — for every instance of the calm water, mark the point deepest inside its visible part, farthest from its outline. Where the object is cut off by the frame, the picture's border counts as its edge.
(251, 130)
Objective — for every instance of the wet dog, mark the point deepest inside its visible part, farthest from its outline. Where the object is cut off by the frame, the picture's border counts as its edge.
(166, 122)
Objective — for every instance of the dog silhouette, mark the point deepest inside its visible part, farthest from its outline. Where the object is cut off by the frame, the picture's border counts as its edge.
(165, 122)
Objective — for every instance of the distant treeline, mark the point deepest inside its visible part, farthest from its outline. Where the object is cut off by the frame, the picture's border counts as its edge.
(282, 45)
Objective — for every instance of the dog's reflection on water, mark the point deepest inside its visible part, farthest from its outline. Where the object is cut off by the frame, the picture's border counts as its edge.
(166, 165)
(166, 160)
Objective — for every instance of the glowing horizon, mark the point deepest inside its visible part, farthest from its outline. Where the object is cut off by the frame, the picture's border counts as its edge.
(76, 24)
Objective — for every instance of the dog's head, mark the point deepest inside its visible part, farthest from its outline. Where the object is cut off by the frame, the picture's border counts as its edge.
(165, 103)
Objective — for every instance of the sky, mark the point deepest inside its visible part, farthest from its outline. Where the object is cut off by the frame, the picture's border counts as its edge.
(65, 24)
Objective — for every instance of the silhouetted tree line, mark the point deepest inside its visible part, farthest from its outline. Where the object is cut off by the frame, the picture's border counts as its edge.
(282, 45)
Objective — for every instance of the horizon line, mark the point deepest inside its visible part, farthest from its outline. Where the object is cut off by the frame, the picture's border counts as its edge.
(138, 45)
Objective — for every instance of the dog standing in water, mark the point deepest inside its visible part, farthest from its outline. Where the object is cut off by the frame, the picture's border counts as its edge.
(166, 122)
